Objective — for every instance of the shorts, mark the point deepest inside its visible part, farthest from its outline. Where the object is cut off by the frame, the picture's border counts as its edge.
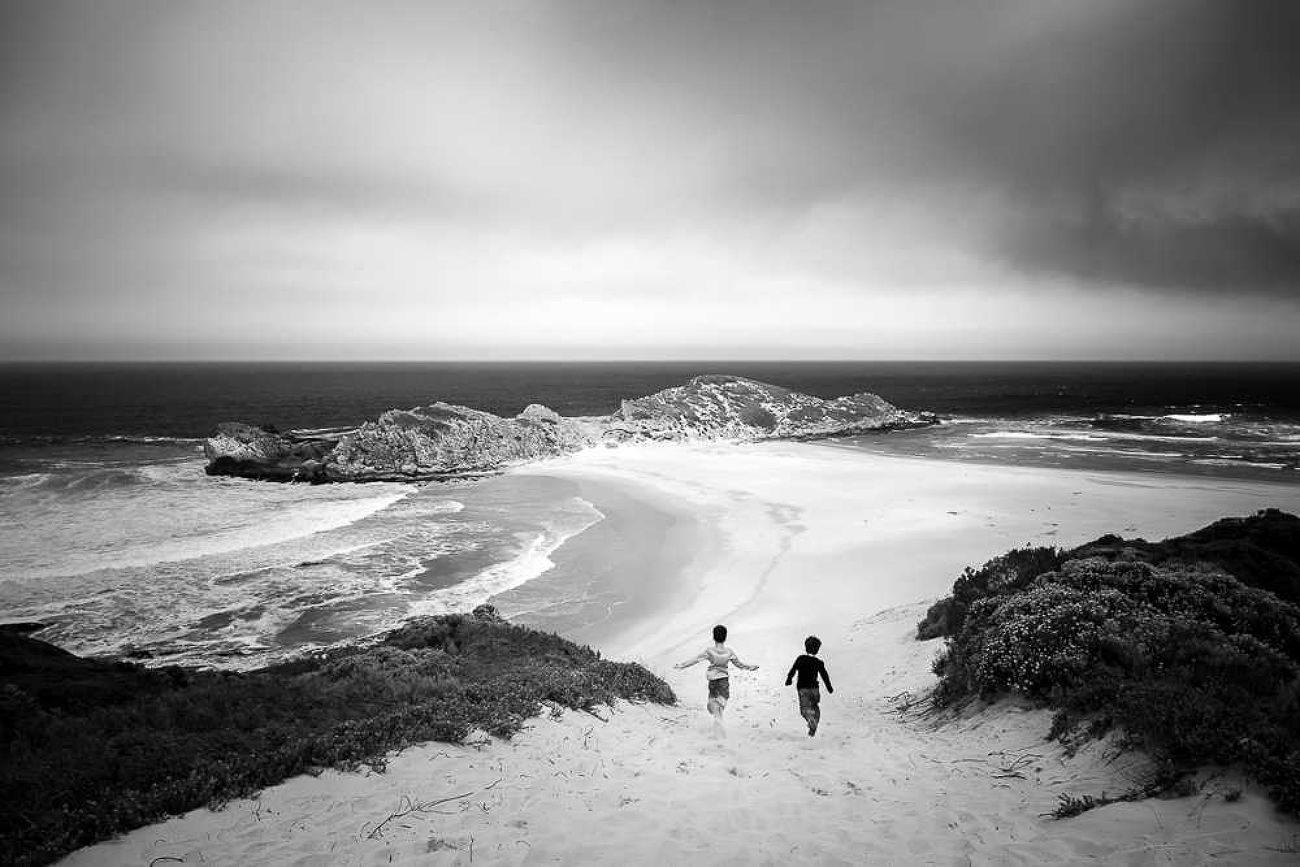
(810, 699)
(720, 687)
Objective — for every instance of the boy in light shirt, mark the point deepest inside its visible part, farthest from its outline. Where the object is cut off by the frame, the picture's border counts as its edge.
(719, 656)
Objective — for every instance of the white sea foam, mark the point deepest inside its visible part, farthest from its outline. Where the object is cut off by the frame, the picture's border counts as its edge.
(294, 559)
(1166, 438)
(533, 560)
(231, 607)
(132, 438)
(111, 527)
(26, 480)
(172, 472)
(1197, 418)
(1238, 461)
(1028, 435)
(292, 523)
(1185, 418)
(1131, 453)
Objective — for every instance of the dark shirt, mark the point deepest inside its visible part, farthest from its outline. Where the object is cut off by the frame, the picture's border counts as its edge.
(808, 667)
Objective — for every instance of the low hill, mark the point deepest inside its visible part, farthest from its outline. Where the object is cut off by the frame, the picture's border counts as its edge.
(93, 748)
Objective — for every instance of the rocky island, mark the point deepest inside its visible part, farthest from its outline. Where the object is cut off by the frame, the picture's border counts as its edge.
(442, 440)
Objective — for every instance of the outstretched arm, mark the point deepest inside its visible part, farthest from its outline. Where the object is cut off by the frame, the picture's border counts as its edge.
(687, 663)
(739, 664)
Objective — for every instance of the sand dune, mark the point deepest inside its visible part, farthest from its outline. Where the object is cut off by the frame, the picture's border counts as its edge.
(794, 539)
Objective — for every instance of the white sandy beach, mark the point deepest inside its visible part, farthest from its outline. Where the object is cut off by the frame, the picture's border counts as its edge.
(787, 539)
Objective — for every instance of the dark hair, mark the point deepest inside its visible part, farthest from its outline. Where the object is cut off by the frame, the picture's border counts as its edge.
(812, 644)
(719, 633)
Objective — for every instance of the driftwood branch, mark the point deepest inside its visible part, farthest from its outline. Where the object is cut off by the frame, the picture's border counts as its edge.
(408, 807)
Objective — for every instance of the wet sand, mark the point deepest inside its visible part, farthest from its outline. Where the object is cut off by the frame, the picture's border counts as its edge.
(628, 568)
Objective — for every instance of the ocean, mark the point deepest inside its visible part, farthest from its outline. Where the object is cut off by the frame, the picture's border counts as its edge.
(111, 534)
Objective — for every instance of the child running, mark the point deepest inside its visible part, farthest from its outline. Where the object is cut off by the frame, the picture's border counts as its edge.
(718, 656)
(808, 666)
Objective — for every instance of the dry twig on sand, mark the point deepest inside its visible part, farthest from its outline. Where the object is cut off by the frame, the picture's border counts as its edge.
(407, 807)
(1012, 769)
(905, 704)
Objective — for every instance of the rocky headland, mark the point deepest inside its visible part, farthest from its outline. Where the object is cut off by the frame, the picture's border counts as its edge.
(443, 441)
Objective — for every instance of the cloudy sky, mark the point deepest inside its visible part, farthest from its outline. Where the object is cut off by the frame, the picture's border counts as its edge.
(606, 179)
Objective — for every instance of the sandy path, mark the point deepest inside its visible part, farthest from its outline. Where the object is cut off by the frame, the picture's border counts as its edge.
(650, 785)
(802, 539)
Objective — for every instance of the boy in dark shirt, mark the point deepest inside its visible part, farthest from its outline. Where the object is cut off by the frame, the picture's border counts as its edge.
(808, 666)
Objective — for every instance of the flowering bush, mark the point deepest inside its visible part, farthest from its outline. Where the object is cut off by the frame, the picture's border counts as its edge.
(1004, 574)
(1191, 662)
(1043, 638)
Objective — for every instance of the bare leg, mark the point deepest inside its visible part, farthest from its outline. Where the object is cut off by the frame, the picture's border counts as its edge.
(716, 707)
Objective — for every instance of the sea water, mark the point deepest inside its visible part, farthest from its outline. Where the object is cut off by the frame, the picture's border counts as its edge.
(1228, 420)
(112, 535)
(133, 550)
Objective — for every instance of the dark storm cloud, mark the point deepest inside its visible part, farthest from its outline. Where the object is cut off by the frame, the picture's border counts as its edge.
(302, 185)
(177, 101)
(214, 183)
(1226, 253)
(1124, 94)
(1066, 109)
(1192, 106)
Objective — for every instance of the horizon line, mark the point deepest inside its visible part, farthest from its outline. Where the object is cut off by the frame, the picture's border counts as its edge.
(738, 360)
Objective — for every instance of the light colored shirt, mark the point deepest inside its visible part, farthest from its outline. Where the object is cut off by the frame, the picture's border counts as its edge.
(718, 657)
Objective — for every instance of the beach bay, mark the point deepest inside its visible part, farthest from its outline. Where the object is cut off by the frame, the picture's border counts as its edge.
(777, 541)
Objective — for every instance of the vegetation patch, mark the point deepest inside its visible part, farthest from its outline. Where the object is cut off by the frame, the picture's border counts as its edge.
(94, 748)
(1191, 646)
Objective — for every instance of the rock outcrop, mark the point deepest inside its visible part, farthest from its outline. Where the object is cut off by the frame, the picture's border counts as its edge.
(442, 440)
(238, 449)
(732, 407)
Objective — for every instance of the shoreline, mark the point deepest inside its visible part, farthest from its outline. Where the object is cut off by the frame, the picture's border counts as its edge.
(907, 525)
(1138, 465)
(776, 540)
(631, 565)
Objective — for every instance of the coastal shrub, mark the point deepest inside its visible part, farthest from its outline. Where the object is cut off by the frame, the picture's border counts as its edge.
(1260, 551)
(1189, 661)
(91, 748)
(1004, 574)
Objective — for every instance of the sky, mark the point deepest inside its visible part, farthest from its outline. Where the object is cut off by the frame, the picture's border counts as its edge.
(597, 179)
